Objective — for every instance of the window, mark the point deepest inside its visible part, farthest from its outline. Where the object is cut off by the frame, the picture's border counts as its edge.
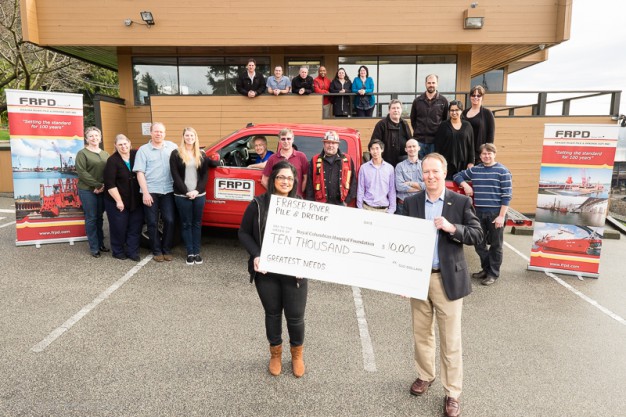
(154, 76)
(190, 75)
(294, 64)
(403, 77)
(492, 80)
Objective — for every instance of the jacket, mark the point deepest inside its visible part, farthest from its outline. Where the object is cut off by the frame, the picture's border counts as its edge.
(394, 137)
(427, 115)
(117, 175)
(334, 184)
(458, 210)
(357, 85)
(341, 104)
(178, 173)
(244, 84)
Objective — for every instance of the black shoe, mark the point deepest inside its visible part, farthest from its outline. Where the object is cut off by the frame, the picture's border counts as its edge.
(198, 259)
(190, 259)
(120, 257)
(135, 258)
(488, 280)
(96, 255)
(479, 275)
(104, 249)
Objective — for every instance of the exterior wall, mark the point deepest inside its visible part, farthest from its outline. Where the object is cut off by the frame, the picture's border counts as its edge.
(113, 121)
(6, 170)
(253, 23)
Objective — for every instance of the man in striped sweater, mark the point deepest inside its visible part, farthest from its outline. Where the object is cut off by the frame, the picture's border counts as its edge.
(492, 191)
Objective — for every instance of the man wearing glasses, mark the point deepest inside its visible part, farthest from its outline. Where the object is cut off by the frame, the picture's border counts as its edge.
(287, 153)
(331, 176)
(427, 113)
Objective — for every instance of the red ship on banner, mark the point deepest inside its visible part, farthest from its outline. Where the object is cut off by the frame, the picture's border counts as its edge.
(566, 241)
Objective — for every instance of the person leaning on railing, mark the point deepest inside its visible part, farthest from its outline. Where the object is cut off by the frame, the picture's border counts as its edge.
(341, 84)
(363, 87)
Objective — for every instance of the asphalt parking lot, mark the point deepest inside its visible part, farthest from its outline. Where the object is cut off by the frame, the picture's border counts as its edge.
(103, 337)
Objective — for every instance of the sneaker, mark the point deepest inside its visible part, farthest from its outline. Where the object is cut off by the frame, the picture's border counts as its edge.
(479, 275)
(488, 281)
(190, 259)
(198, 259)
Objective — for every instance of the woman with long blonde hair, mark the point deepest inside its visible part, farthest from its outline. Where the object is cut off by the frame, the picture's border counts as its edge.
(190, 171)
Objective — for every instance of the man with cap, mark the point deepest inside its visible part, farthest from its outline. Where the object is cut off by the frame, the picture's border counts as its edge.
(331, 176)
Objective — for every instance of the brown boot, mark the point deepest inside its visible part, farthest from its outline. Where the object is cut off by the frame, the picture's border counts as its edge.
(297, 362)
(276, 353)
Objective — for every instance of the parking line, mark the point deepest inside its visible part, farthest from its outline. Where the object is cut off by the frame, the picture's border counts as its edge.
(7, 211)
(589, 300)
(7, 224)
(369, 361)
(56, 333)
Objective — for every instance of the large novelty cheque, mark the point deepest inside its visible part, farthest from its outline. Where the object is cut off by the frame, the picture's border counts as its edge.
(348, 246)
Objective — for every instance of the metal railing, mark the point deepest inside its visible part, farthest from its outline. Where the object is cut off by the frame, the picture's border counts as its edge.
(513, 103)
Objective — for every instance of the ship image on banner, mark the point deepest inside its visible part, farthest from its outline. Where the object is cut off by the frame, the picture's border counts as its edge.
(572, 199)
(46, 132)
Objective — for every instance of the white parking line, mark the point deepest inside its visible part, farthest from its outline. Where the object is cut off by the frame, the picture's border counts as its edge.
(7, 211)
(56, 333)
(369, 361)
(589, 300)
(7, 224)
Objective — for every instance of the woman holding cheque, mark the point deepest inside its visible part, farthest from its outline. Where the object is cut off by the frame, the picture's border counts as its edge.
(277, 292)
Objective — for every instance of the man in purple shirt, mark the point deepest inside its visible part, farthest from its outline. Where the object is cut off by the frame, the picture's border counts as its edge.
(377, 188)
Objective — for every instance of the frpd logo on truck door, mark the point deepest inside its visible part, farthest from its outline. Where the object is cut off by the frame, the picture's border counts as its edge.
(234, 189)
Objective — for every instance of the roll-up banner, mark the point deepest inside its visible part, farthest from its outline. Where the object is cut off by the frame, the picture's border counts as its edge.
(46, 132)
(572, 203)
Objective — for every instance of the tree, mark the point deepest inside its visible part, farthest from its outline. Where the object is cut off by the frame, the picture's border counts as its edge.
(25, 66)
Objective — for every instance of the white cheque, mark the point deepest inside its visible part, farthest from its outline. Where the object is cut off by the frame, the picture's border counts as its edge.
(348, 246)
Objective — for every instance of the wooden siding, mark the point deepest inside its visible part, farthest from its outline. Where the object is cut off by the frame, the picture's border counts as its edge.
(253, 23)
(113, 118)
(519, 140)
(6, 170)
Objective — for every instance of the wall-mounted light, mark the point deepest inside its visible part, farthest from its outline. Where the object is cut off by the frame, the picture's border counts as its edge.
(147, 18)
(474, 18)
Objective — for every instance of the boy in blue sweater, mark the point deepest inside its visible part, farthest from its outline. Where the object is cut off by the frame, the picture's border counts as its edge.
(492, 188)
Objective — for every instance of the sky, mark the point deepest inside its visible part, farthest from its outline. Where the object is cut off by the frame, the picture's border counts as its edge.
(594, 58)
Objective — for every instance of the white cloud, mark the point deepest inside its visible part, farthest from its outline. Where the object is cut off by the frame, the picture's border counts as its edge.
(593, 59)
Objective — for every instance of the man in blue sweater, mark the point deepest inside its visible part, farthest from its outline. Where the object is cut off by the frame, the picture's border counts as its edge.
(492, 189)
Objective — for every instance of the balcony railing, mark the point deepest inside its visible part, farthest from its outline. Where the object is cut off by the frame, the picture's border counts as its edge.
(516, 103)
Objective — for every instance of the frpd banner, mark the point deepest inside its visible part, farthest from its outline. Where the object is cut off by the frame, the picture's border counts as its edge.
(574, 185)
(46, 132)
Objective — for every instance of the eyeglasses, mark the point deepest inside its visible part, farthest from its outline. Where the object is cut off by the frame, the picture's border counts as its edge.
(285, 139)
(476, 95)
(454, 110)
(284, 178)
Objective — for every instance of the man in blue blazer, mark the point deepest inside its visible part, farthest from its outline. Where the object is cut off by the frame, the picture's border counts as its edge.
(455, 219)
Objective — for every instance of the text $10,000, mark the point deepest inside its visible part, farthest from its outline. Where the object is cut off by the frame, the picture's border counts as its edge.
(400, 248)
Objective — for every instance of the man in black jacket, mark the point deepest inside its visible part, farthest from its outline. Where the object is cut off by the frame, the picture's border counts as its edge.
(393, 131)
(302, 84)
(251, 83)
(427, 113)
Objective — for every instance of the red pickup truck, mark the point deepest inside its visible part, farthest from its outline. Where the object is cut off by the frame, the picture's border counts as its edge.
(233, 184)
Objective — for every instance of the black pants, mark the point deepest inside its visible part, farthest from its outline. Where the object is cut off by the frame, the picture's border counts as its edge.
(490, 248)
(278, 293)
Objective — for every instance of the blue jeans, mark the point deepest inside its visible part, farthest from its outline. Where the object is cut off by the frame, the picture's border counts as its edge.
(162, 204)
(490, 257)
(190, 212)
(93, 207)
(425, 149)
(124, 229)
(400, 210)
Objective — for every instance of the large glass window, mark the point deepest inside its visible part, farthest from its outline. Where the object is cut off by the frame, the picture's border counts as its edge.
(154, 76)
(491, 80)
(403, 77)
(294, 64)
(190, 75)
